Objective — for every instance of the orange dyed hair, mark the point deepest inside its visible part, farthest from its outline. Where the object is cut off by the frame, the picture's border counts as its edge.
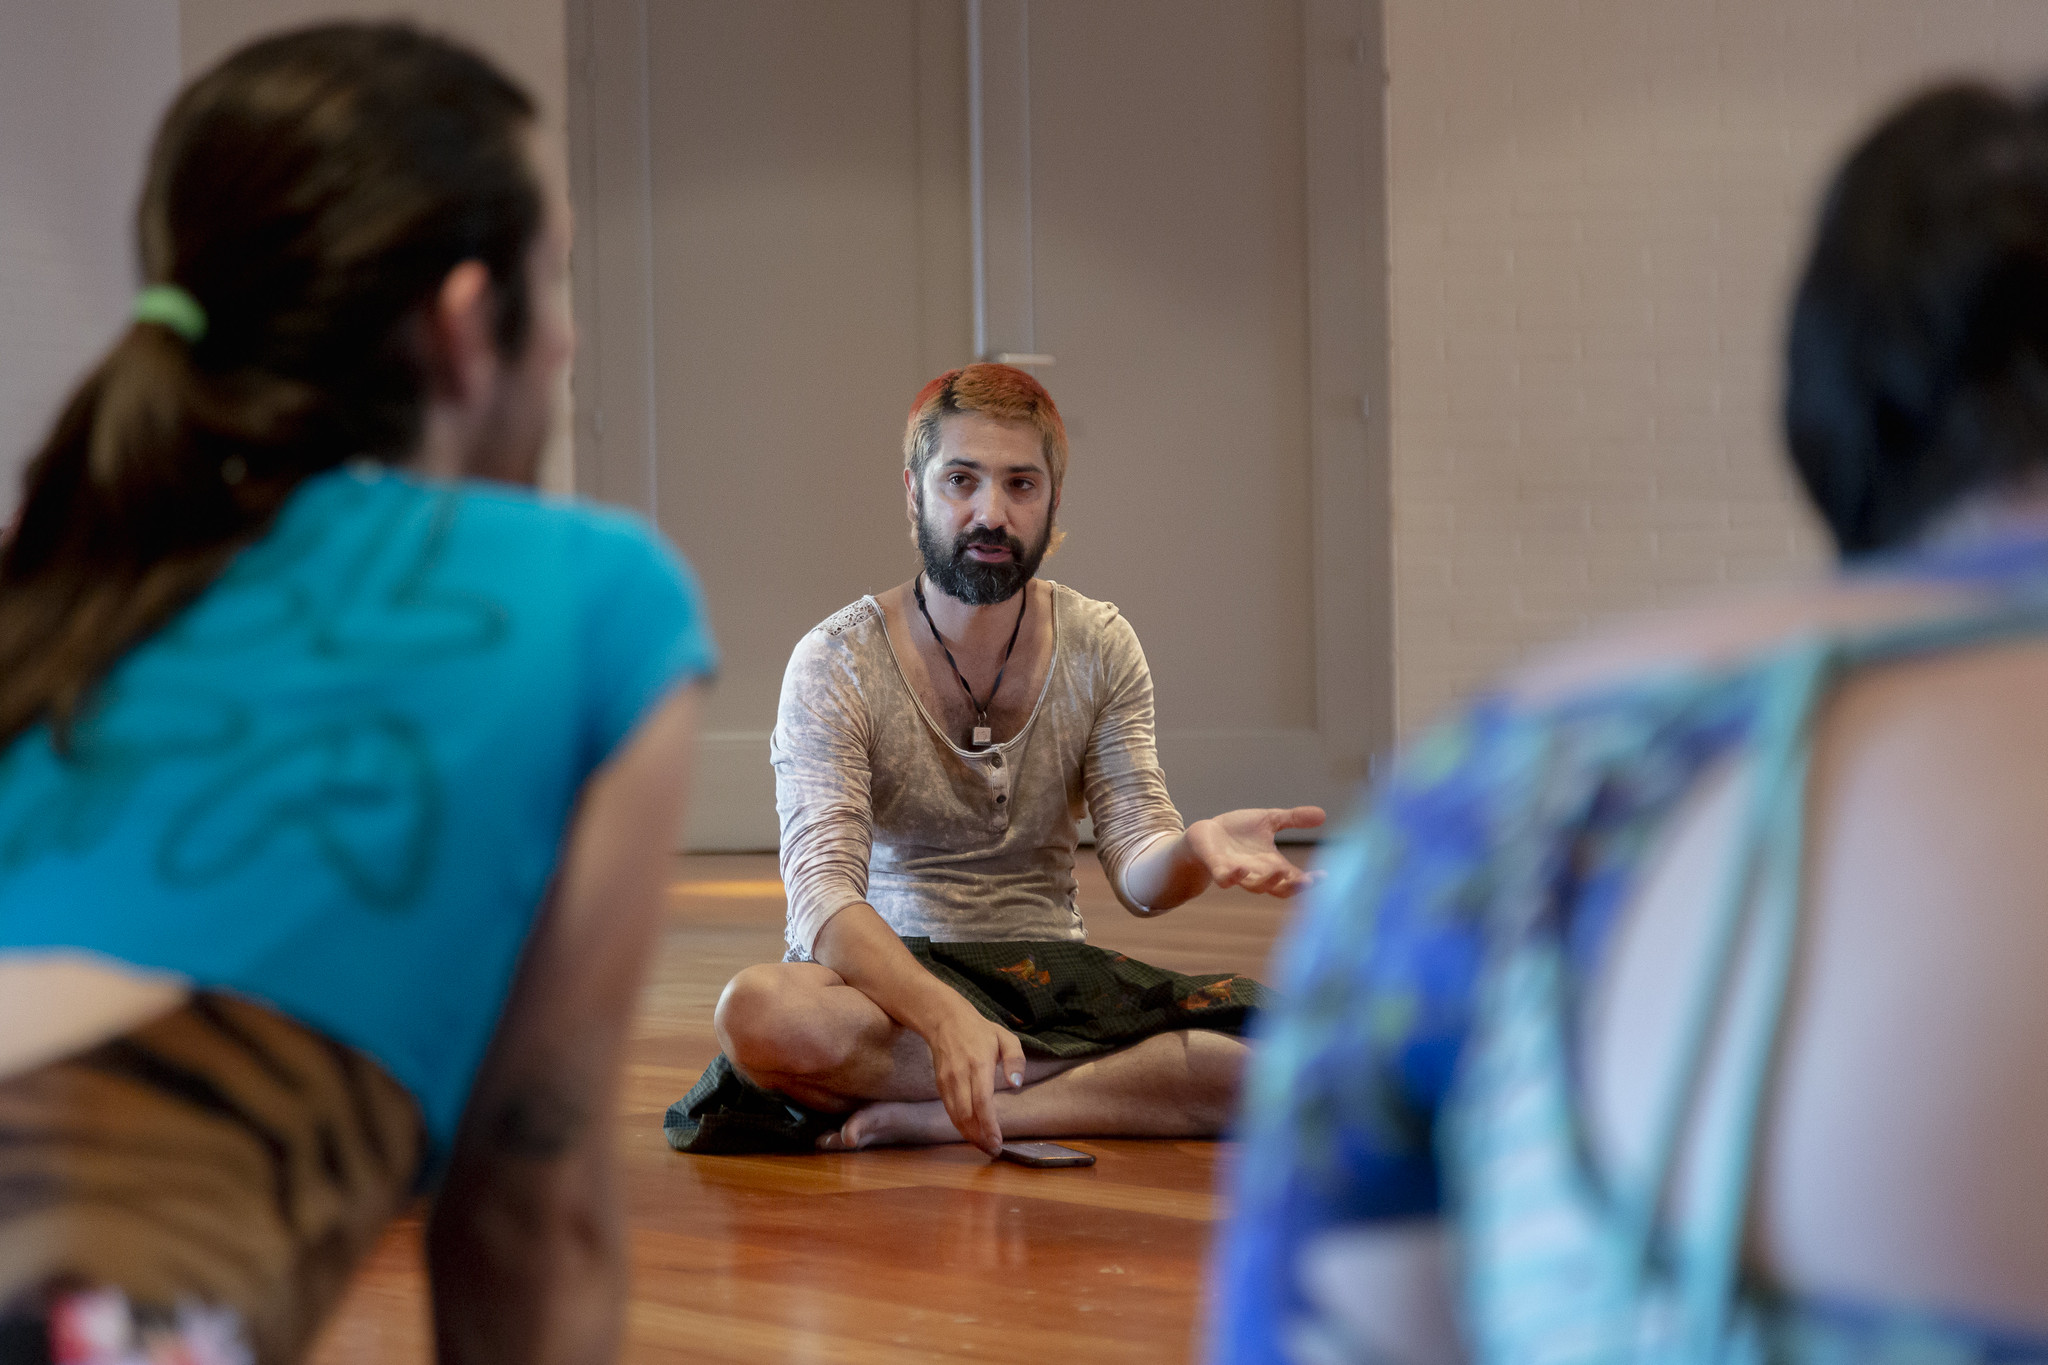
(999, 391)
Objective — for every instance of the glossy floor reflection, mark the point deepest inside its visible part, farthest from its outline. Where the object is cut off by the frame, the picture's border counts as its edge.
(897, 1256)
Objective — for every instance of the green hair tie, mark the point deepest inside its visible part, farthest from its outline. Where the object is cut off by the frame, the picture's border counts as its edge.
(168, 305)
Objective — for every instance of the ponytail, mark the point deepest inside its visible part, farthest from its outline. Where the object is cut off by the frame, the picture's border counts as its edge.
(308, 196)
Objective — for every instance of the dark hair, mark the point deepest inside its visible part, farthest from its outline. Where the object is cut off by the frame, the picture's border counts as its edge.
(311, 192)
(1917, 356)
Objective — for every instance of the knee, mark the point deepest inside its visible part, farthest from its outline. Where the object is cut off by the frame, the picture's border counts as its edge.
(764, 1029)
(1218, 1061)
(748, 1014)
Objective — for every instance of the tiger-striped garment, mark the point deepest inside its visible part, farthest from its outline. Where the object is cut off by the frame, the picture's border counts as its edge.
(221, 1154)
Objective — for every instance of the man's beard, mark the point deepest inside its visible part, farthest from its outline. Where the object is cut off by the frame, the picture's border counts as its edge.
(949, 569)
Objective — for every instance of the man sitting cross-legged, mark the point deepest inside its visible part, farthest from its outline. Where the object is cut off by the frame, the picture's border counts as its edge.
(934, 749)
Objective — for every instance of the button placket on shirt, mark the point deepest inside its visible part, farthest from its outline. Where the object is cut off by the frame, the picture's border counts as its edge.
(997, 774)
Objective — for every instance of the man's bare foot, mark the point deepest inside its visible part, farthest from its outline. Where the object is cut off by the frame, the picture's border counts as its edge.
(893, 1123)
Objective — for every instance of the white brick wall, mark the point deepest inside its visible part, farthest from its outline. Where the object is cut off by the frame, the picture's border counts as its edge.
(1595, 210)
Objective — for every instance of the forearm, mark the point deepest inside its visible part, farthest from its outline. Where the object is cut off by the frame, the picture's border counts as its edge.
(968, 1053)
(1236, 848)
(858, 944)
(1164, 874)
(527, 1259)
(526, 1245)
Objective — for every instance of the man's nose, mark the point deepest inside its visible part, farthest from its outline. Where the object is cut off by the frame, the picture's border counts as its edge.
(991, 509)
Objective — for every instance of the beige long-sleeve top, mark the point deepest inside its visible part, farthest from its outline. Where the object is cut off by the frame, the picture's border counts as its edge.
(878, 805)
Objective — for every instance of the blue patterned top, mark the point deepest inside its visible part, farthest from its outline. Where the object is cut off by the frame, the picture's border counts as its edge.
(339, 782)
(1380, 980)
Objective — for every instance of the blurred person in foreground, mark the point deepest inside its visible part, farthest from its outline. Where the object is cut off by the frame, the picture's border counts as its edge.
(1680, 999)
(339, 766)
(934, 750)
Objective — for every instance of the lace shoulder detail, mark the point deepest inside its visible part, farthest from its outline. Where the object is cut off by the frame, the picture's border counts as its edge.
(1084, 621)
(846, 618)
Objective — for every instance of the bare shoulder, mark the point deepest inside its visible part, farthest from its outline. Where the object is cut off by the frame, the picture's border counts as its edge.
(1718, 631)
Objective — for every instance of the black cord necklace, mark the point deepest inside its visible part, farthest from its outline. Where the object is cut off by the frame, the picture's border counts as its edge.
(982, 735)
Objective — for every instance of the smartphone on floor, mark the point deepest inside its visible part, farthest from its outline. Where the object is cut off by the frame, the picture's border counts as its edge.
(1045, 1154)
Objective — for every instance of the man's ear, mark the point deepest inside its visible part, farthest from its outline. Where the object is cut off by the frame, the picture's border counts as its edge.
(910, 510)
(461, 335)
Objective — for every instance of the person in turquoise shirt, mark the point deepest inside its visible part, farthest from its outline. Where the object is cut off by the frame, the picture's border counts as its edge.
(1678, 999)
(338, 766)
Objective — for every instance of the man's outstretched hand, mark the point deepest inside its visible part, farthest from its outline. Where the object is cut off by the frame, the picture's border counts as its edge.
(1237, 848)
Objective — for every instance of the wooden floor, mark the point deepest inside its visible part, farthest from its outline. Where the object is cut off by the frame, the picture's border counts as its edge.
(883, 1256)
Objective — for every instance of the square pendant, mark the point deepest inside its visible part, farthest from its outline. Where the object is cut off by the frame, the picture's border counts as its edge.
(983, 737)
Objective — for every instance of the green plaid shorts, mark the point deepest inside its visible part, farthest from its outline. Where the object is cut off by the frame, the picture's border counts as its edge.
(1064, 1000)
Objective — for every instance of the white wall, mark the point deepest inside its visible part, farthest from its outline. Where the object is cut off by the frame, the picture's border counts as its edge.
(81, 86)
(526, 37)
(1595, 209)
